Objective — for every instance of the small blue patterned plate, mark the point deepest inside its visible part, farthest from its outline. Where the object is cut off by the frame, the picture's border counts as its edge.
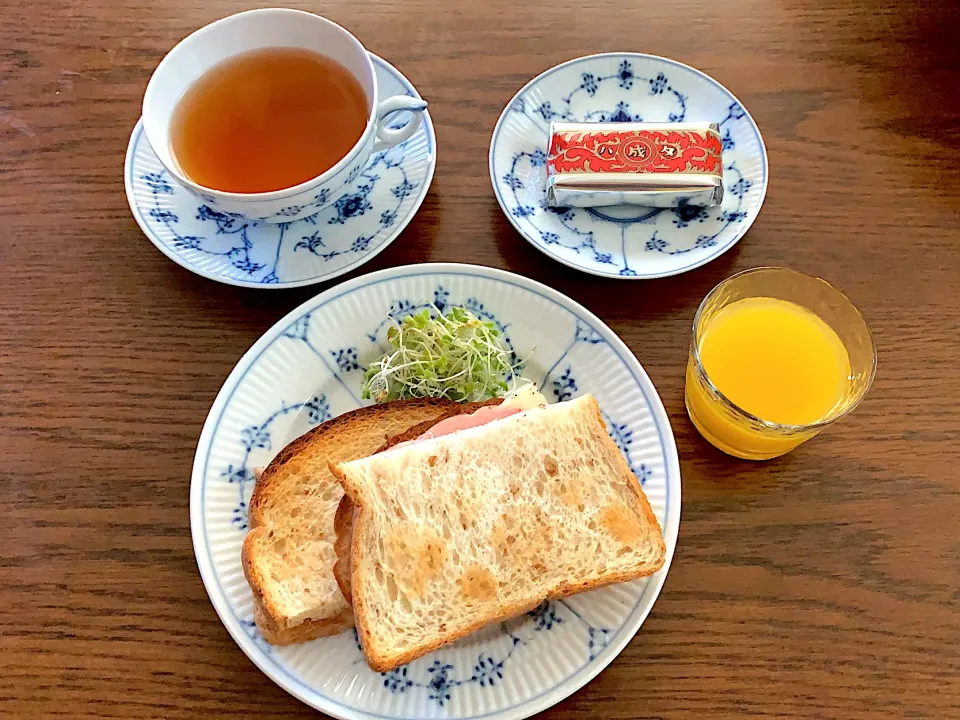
(307, 369)
(622, 242)
(367, 217)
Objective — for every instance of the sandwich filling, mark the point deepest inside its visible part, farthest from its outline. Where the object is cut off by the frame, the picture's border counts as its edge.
(525, 399)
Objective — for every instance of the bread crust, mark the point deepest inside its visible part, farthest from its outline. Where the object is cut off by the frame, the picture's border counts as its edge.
(357, 603)
(343, 527)
(268, 618)
(383, 662)
(641, 497)
(303, 632)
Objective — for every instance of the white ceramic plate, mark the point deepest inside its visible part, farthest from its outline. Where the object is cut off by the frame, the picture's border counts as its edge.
(307, 369)
(622, 242)
(367, 216)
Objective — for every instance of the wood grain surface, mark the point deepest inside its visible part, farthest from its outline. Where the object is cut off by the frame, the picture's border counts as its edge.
(824, 584)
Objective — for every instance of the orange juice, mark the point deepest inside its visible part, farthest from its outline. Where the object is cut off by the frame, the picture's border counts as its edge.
(776, 360)
(772, 359)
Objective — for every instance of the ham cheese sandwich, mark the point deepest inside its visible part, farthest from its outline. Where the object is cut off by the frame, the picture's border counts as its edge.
(484, 517)
(422, 520)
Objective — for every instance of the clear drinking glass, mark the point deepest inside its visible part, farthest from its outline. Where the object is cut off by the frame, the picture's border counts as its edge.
(740, 433)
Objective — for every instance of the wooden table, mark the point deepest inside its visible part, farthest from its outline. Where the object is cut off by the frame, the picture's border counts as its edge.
(823, 584)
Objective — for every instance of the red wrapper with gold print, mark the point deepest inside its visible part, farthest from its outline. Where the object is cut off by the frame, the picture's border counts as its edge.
(650, 164)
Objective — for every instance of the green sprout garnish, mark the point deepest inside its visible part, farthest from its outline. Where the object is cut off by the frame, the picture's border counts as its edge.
(454, 355)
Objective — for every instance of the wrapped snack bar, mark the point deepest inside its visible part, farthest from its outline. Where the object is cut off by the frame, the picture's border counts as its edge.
(647, 164)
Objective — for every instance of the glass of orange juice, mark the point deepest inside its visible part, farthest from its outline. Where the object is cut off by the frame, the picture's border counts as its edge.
(776, 356)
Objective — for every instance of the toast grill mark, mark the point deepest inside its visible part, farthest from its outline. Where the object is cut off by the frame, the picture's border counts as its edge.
(257, 437)
(478, 584)
(419, 555)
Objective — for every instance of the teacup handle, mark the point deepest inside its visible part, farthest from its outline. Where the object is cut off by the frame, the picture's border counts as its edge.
(387, 136)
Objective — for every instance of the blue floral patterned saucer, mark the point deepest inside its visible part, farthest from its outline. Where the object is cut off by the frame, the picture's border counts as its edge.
(309, 368)
(625, 242)
(367, 217)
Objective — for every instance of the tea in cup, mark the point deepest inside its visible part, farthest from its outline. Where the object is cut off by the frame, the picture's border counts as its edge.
(268, 113)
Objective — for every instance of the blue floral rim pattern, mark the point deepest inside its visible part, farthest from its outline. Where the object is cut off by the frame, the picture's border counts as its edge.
(599, 240)
(376, 204)
(440, 680)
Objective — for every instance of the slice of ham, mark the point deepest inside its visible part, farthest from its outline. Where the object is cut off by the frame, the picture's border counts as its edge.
(527, 398)
(484, 415)
(456, 423)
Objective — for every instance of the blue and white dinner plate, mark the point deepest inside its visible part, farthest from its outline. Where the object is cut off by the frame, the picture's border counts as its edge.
(360, 224)
(307, 369)
(621, 242)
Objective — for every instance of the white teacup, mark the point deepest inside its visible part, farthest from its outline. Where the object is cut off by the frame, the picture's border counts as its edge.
(267, 28)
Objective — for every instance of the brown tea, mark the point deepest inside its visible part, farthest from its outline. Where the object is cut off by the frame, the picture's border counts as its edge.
(267, 120)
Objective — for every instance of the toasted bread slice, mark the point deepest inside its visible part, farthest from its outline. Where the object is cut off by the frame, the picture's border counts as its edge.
(343, 520)
(466, 529)
(288, 554)
(343, 528)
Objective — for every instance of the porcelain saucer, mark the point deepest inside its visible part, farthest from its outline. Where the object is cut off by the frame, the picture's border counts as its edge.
(376, 206)
(623, 242)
